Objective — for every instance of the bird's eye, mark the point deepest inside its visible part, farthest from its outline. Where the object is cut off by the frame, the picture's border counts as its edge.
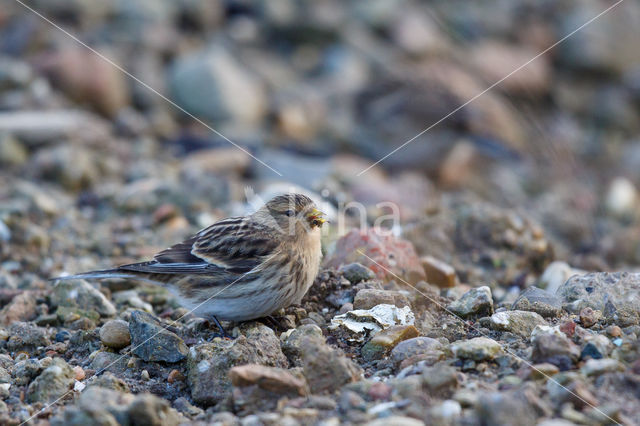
(289, 213)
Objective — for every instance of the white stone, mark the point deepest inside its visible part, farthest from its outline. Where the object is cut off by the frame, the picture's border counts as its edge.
(361, 321)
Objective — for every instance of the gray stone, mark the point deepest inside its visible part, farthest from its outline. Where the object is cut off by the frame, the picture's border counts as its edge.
(208, 364)
(115, 334)
(477, 301)
(356, 272)
(596, 367)
(326, 369)
(82, 295)
(518, 322)
(291, 341)
(596, 346)
(477, 349)
(505, 408)
(211, 84)
(554, 348)
(109, 361)
(152, 342)
(616, 295)
(413, 347)
(26, 337)
(368, 298)
(537, 300)
(52, 383)
(440, 380)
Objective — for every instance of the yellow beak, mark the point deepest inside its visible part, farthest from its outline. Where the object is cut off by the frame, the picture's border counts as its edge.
(316, 217)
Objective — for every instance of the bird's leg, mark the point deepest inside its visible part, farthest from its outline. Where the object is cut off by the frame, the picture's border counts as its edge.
(223, 333)
(274, 323)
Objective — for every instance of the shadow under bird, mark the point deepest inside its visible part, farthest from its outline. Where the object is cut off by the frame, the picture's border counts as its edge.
(239, 268)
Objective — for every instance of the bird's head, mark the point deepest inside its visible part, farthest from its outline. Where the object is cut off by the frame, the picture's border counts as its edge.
(292, 213)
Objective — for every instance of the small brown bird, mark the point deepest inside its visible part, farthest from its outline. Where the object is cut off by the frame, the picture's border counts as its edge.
(239, 268)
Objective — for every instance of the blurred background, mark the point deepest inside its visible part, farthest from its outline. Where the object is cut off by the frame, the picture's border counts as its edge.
(98, 166)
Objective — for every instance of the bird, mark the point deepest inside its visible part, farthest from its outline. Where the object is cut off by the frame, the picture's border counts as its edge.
(239, 268)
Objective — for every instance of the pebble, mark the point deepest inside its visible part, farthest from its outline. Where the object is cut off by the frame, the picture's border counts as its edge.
(208, 364)
(554, 348)
(518, 322)
(81, 295)
(616, 295)
(386, 340)
(358, 323)
(356, 273)
(477, 349)
(438, 272)
(152, 342)
(115, 334)
(271, 379)
(52, 383)
(416, 348)
(540, 301)
(596, 367)
(368, 298)
(477, 301)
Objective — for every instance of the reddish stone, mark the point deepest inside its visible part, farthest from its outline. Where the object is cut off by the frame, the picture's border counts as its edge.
(568, 328)
(387, 256)
(379, 391)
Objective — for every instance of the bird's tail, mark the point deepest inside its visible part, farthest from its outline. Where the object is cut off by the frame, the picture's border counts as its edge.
(97, 275)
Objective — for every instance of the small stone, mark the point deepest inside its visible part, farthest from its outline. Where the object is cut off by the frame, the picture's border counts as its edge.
(185, 407)
(622, 197)
(556, 274)
(152, 342)
(368, 298)
(359, 323)
(208, 364)
(109, 361)
(115, 334)
(616, 295)
(386, 340)
(326, 369)
(613, 331)
(477, 349)
(356, 272)
(21, 308)
(148, 409)
(588, 317)
(440, 380)
(540, 301)
(477, 301)
(78, 373)
(518, 322)
(81, 295)
(415, 347)
(52, 383)
(543, 371)
(144, 375)
(596, 367)
(276, 380)
(26, 337)
(175, 376)
(291, 341)
(438, 272)
(596, 347)
(554, 348)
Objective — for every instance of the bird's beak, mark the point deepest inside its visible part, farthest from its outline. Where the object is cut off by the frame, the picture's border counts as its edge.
(316, 217)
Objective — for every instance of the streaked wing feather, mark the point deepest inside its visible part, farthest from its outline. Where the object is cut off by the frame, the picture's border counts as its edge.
(231, 245)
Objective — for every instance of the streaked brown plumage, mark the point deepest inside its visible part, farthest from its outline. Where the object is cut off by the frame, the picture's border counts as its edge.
(239, 268)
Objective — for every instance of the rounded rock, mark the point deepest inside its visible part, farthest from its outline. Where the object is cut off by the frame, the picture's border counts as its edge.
(115, 334)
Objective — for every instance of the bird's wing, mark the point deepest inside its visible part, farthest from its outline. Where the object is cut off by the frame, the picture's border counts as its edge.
(233, 245)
